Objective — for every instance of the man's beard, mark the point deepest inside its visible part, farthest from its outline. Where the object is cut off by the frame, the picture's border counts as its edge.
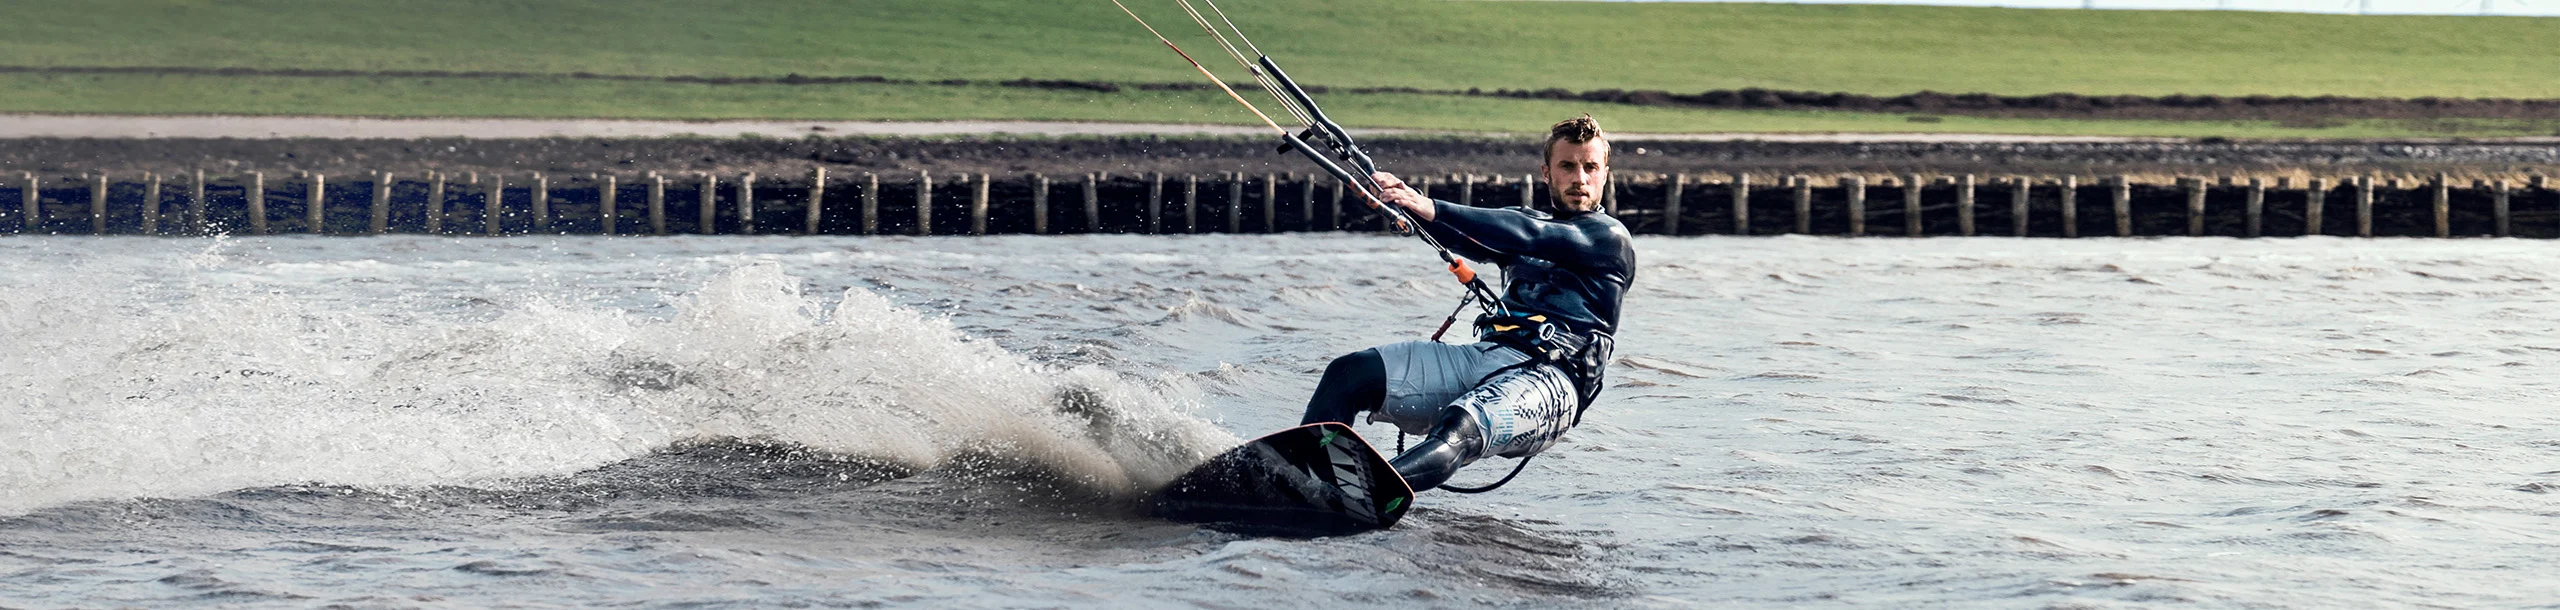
(1569, 194)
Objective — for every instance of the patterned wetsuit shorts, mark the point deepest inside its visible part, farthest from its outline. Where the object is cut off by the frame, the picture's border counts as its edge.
(1522, 409)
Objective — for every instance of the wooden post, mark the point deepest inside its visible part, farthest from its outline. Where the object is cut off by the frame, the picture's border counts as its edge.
(471, 182)
(1155, 202)
(1855, 188)
(657, 203)
(1911, 205)
(1333, 192)
(1609, 194)
(1039, 204)
(1467, 190)
(1270, 203)
(608, 196)
(1741, 204)
(2255, 207)
(494, 209)
(747, 204)
(257, 204)
(2195, 205)
(978, 205)
(31, 208)
(316, 215)
(818, 201)
(924, 203)
(541, 203)
(2364, 206)
(1093, 204)
(2498, 211)
(1235, 203)
(2443, 206)
(1190, 203)
(708, 212)
(1964, 205)
(195, 205)
(1804, 204)
(2314, 200)
(871, 204)
(150, 203)
(2070, 206)
(1670, 203)
(98, 204)
(1307, 204)
(378, 215)
(435, 203)
(1529, 190)
(2020, 189)
(2123, 200)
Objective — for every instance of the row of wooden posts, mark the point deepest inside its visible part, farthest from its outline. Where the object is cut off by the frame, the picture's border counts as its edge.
(2312, 194)
(445, 194)
(444, 189)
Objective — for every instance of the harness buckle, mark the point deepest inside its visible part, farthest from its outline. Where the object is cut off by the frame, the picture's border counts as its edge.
(1532, 334)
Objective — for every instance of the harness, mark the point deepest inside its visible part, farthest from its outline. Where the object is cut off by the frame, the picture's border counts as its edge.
(1582, 356)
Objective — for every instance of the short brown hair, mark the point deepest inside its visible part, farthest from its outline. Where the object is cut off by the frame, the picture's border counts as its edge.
(1577, 130)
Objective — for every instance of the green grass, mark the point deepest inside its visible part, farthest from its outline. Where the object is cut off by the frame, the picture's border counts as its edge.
(567, 98)
(1427, 44)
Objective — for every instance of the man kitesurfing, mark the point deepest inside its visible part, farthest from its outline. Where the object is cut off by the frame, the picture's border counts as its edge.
(1537, 364)
(1543, 341)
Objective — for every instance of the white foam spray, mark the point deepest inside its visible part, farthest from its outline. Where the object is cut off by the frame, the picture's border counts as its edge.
(202, 385)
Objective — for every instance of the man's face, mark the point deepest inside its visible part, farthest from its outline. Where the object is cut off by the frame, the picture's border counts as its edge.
(1576, 173)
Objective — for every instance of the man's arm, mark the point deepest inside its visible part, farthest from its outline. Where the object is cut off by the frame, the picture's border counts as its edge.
(1489, 235)
(1495, 234)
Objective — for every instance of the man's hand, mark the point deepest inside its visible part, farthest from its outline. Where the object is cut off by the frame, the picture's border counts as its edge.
(1402, 195)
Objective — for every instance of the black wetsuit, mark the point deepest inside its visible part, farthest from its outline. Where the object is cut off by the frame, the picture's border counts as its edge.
(1576, 270)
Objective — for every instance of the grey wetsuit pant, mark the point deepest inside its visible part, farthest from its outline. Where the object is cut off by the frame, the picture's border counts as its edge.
(1521, 409)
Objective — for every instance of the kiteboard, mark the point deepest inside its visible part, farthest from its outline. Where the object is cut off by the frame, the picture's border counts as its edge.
(1312, 480)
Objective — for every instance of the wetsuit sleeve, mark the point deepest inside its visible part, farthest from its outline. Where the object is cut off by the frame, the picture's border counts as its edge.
(1497, 235)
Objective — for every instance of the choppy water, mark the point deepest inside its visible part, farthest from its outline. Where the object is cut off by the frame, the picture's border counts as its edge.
(765, 422)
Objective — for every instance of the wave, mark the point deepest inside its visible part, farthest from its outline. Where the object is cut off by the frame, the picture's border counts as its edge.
(196, 386)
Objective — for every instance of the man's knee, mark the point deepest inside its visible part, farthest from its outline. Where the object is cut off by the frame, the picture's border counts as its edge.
(1353, 383)
(1365, 366)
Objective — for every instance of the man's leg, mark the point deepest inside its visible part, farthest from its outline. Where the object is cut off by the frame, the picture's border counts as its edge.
(1517, 413)
(1455, 442)
(1353, 383)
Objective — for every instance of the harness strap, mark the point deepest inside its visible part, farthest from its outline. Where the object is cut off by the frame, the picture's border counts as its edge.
(1506, 479)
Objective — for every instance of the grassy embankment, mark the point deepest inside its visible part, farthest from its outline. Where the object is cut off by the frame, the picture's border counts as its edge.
(1347, 43)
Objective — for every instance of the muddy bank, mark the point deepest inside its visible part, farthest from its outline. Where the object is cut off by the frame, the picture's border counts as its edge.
(1009, 157)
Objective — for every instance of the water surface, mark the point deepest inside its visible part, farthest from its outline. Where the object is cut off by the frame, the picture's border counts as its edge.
(756, 422)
